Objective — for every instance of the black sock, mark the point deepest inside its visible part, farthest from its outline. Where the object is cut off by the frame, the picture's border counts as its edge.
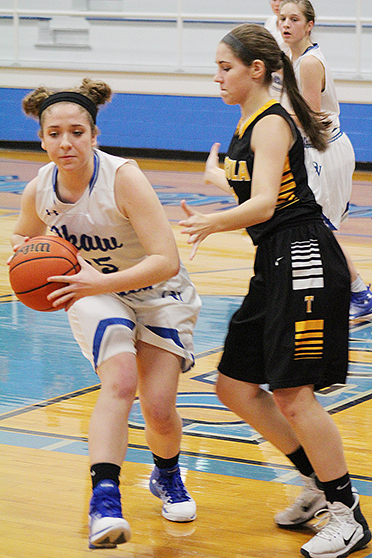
(165, 463)
(102, 471)
(339, 490)
(301, 462)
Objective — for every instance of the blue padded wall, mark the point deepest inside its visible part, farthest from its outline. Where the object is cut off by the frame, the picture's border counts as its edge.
(170, 122)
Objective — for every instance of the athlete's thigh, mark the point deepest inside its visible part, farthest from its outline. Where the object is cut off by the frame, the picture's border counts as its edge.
(103, 326)
(158, 374)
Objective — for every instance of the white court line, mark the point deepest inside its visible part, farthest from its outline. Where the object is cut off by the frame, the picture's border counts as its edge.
(57, 445)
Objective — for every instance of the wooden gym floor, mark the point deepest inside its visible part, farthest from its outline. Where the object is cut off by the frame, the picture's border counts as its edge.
(239, 481)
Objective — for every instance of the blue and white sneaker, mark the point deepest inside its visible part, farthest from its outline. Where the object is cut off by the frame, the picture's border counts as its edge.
(360, 304)
(167, 485)
(107, 528)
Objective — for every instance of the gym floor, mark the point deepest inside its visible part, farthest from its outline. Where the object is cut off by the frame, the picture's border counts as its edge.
(239, 481)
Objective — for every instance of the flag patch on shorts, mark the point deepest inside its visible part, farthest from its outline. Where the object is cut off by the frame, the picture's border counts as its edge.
(309, 339)
(307, 267)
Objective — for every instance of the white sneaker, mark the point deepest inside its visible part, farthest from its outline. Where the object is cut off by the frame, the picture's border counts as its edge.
(107, 527)
(304, 507)
(108, 532)
(345, 532)
(167, 485)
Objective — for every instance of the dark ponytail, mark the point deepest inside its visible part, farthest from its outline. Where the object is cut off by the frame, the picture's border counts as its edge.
(249, 42)
(314, 124)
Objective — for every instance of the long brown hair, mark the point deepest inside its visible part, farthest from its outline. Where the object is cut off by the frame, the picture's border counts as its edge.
(255, 42)
(305, 6)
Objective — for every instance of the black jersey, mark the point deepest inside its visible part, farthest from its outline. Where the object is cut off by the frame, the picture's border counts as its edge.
(296, 201)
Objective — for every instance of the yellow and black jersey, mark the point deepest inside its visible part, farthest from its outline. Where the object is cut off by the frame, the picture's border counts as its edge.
(296, 201)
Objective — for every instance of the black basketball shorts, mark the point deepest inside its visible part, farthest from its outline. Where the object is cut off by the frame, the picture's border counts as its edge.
(293, 326)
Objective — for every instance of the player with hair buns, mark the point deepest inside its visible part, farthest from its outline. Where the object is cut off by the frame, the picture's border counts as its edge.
(132, 307)
(292, 329)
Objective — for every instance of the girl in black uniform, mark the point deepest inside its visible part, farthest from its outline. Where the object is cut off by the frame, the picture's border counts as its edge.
(291, 331)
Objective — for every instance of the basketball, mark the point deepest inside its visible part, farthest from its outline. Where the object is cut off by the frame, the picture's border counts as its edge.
(36, 260)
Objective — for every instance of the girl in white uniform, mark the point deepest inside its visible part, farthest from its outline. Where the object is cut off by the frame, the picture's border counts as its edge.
(330, 173)
(272, 24)
(132, 307)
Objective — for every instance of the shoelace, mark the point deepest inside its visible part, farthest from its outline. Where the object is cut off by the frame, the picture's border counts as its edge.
(330, 529)
(174, 488)
(108, 505)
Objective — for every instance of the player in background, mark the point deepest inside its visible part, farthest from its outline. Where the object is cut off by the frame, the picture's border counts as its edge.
(330, 172)
(132, 307)
(292, 329)
(272, 25)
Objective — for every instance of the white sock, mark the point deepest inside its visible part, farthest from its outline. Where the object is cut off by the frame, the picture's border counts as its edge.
(358, 285)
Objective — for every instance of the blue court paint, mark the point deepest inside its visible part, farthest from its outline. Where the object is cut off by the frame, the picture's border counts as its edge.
(40, 360)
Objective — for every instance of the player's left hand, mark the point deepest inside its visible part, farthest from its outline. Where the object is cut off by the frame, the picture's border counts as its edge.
(197, 226)
(87, 282)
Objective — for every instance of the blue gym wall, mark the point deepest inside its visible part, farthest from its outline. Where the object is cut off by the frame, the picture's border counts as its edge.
(170, 122)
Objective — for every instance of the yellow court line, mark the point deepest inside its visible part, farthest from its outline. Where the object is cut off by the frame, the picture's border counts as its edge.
(356, 356)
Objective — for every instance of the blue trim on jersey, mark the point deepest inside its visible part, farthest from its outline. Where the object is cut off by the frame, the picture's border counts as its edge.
(100, 331)
(92, 181)
(315, 45)
(167, 333)
(335, 134)
(54, 180)
(94, 178)
(329, 223)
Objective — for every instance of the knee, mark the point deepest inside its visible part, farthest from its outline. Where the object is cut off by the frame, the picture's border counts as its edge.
(118, 379)
(159, 416)
(289, 407)
(124, 389)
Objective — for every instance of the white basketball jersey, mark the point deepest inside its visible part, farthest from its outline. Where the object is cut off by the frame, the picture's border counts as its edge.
(271, 25)
(329, 102)
(103, 236)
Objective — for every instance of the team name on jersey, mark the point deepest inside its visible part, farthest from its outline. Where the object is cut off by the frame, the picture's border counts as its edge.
(236, 170)
(86, 242)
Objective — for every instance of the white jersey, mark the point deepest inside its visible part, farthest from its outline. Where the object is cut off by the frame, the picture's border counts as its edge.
(163, 314)
(329, 102)
(103, 236)
(330, 172)
(271, 24)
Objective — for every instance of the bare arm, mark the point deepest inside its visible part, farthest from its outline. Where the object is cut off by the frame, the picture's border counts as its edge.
(213, 173)
(137, 200)
(312, 81)
(271, 141)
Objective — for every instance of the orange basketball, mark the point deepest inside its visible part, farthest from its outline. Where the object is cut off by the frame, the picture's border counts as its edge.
(35, 261)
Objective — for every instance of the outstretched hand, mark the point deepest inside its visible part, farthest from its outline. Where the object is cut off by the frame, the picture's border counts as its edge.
(197, 226)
